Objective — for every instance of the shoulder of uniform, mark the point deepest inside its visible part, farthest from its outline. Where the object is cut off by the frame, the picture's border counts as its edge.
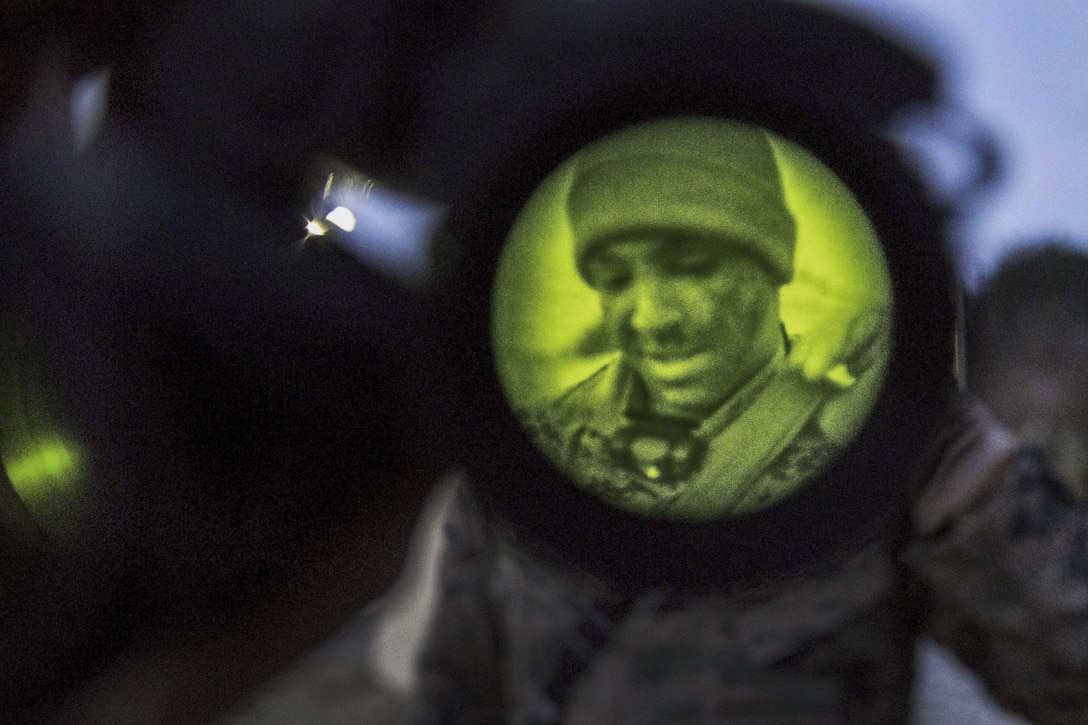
(584, 395)
(552, 421)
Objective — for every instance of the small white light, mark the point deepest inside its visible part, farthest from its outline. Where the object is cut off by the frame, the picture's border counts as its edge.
(342, 217)
(315, 228)
(388, 230)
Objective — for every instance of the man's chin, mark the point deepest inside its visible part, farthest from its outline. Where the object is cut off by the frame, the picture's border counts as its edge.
(694, 398)
(691, 404)
(693, 385)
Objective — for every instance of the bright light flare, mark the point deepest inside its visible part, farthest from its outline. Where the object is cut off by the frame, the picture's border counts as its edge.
(383, 228)
(314, 228)
(342, 217)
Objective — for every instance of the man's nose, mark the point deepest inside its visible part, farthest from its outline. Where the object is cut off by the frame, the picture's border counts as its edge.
(654, 307)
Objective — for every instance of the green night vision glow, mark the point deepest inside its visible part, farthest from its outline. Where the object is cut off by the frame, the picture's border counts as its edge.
(42, 467)
(692, 318)
(42, 463)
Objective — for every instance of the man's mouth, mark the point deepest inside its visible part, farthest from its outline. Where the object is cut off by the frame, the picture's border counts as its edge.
(674, 366)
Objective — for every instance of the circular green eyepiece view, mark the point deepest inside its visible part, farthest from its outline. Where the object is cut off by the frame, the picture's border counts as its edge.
(691, 318)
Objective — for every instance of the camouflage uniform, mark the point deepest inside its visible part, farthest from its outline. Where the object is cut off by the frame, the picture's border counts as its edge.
(720, 471)
(995, 565)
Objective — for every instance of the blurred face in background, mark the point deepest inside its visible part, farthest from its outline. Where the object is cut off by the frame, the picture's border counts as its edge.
(1035, 379)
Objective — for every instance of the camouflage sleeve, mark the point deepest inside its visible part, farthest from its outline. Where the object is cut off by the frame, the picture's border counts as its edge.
(1003, 553)
(510, 635)
(458, 670)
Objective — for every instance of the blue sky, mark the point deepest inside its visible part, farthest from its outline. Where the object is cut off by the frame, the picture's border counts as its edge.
(1022, 68)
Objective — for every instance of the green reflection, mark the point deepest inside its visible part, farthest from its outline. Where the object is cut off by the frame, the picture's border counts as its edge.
(41, 461)
(40, 468)
(692, 318)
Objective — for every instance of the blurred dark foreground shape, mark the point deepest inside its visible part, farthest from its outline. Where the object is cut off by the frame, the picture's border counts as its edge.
(250, 423)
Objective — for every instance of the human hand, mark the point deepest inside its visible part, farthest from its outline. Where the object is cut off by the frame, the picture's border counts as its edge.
(843, 349)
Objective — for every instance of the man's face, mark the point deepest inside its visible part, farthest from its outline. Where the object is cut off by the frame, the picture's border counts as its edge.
(695, 318)
(1036, 382)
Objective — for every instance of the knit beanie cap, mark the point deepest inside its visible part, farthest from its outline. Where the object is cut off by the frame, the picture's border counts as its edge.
(693, 176)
